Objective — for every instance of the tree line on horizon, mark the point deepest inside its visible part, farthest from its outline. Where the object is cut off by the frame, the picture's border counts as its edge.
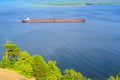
(14, 58)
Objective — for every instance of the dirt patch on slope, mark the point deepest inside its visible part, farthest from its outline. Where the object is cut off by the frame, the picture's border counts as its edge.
(11, 75)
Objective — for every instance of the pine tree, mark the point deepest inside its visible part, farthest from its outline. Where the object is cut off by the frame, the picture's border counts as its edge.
(11, 53)
(40, 67)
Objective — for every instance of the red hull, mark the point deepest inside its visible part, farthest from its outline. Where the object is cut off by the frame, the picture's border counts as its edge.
(53, 20)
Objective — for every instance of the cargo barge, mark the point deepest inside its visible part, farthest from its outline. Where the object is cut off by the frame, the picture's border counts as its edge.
(27, 20)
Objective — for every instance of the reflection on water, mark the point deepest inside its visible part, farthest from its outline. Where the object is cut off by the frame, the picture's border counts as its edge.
(93, 47)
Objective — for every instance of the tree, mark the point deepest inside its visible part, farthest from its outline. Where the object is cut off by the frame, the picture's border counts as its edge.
(11, 53)
(70, 74)
(111, 78)
(54, 71)
(23, 64)
(11, 50)
(3, 63)
(115, 78)
(40, 67)
(118, 76)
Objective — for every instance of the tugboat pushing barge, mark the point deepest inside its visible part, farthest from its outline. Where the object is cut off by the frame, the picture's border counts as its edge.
(28, 20)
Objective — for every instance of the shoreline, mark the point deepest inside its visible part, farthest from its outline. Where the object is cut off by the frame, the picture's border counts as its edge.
(70, 3)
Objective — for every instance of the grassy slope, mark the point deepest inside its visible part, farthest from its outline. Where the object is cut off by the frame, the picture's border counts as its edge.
(11, 75)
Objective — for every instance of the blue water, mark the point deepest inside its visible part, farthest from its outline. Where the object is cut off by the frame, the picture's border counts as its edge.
(93, 47)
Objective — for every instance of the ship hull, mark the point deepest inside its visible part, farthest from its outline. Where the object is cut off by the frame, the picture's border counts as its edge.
(52, 20)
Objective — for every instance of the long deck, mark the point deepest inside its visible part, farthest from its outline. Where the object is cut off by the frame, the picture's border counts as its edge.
(53, 20)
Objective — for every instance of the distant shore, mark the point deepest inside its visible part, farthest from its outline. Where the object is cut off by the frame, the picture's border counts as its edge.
(71, 3)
